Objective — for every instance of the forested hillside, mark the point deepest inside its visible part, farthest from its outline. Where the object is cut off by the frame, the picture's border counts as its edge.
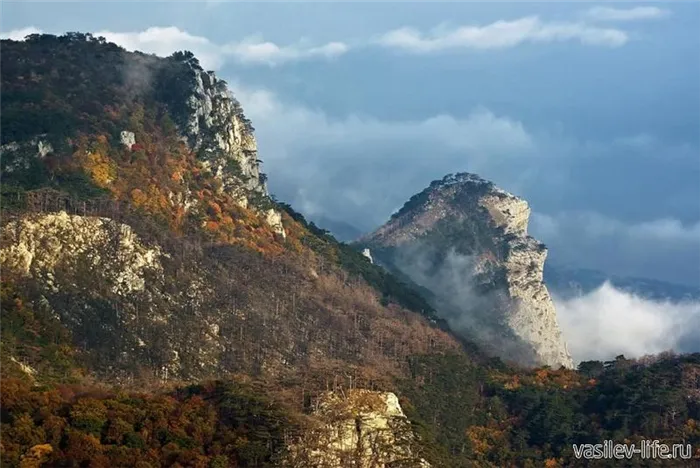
(159, 308)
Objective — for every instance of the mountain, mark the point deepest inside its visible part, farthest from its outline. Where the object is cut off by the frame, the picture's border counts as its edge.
(466, 241)
(140, 245)
(570, 282)
(161, 309)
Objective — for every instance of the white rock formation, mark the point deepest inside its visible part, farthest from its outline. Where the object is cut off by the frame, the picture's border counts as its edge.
(15, 156)
(474, 214)
(223, 138)
(274, 219)
(127, 138)
(92, 257)
(358, 428)
(28, 370)
(368, 254)
(507, 211)
(38, 245)
(43, 148)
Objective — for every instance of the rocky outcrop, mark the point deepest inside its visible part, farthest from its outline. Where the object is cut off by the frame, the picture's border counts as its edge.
(127, 138)
(16, 157)
(358, 428)
(466, 241)
(111, 289)
(38, 246)
(218, 131)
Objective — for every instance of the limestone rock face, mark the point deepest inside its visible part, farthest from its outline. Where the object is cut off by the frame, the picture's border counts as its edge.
(40, 245)
(466, 241)
(127, 138)
(359, 428)
(218, 131)
(85, 265)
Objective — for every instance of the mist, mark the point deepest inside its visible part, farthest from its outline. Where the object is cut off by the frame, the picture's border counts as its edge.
(472, 310)
(607, 322)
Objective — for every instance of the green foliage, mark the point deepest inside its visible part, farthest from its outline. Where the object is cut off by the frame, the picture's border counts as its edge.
(445, 392)
(31, 335)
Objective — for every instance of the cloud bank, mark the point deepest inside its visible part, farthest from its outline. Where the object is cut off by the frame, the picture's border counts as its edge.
(501, 34)
(629, 14)
(364, 167)
(19, 34)
(663, 248)
(251, 50)
(608, 322)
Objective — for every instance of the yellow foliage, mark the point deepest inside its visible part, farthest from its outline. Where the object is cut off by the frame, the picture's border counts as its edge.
(552, 463)
(101, 169)
(36, 456)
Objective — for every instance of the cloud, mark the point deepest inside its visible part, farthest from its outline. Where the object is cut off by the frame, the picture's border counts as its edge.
(597, 225)
(461, 300)
(663, 248)
(480, 130)
(608, 322)
(251, 50)
(362, 166)
(501, 34)
(19, 34)
(629, 14)
(164, 41)
(257, 51)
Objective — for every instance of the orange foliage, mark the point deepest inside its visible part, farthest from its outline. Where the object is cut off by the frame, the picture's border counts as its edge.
(100, 168)
(138, 197)
(215, 209)
(484, 439)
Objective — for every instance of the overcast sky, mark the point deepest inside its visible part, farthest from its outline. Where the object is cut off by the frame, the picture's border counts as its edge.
(589, 111)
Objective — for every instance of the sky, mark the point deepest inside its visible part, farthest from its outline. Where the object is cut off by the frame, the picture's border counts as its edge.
(590, 111)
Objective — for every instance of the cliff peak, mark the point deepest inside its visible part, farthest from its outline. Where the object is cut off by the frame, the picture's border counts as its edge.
(466, 240)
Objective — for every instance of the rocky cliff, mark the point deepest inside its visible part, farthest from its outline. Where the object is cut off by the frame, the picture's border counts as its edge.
(466, 241)
(203, 111)
(358, 428)
(215, 128)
